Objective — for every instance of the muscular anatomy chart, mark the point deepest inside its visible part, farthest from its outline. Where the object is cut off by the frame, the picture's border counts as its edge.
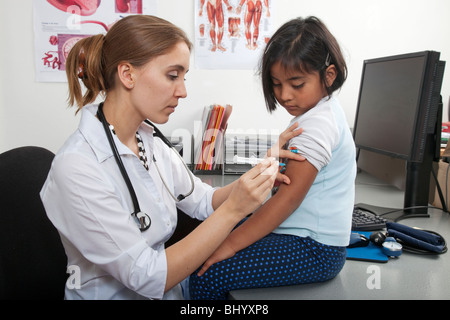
(230, 34)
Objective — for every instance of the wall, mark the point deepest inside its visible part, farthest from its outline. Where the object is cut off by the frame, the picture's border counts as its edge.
(33, 113)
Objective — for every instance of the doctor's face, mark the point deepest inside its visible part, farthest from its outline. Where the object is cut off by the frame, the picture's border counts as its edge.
(160, 84)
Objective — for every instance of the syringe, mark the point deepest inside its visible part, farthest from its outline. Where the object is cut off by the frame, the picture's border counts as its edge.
(251, 160)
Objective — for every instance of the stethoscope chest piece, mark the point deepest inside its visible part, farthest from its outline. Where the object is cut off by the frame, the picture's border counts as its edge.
(142, 219)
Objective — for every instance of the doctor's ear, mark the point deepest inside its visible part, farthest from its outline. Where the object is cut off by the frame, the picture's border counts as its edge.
(330, 75)
(126, 73)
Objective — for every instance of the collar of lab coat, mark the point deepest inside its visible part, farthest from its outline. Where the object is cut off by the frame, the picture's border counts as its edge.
(92, 130)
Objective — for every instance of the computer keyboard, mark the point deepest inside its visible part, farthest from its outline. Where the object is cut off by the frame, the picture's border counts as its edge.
(364, 220)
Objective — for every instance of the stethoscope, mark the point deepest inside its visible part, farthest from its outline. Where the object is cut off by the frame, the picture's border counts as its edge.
(143, 220)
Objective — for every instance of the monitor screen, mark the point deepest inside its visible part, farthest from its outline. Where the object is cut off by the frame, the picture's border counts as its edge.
(398, 116)
(388, 106)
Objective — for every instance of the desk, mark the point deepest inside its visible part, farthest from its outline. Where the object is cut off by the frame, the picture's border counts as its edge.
(408, 277)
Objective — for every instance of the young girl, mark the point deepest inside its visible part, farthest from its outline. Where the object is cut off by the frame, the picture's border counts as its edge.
(299, 235)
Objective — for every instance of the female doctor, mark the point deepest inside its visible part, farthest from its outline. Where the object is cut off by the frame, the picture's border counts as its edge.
(113, 188)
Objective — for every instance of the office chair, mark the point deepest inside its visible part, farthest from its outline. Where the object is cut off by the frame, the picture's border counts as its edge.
(32, 259)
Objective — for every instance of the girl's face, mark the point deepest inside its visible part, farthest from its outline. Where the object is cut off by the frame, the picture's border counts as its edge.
(297, 92)
(160, 83)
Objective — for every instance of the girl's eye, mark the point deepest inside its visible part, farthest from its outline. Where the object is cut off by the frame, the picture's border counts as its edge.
(298, 86)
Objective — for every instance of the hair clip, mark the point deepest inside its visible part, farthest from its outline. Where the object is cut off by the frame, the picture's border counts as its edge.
(328, 60)
(267, 47)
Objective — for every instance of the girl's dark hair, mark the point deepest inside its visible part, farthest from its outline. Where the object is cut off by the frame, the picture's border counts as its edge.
(135, 39)
(304, 45)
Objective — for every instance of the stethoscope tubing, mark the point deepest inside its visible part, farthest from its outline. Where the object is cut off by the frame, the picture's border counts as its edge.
(160, 135)
(118, 159)
(138, 214)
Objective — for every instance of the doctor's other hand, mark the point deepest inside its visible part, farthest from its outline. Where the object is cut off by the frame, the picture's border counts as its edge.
(253, 187)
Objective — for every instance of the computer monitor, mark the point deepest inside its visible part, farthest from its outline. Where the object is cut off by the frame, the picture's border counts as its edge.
(399, 115)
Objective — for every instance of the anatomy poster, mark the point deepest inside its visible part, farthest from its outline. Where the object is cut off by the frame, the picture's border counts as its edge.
(59, 24)
(231, 34)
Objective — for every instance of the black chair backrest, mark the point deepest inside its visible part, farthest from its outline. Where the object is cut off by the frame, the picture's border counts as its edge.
(32, 259)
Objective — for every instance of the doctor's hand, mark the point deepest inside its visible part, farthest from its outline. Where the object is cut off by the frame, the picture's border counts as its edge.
(278, 152)
(252, 188)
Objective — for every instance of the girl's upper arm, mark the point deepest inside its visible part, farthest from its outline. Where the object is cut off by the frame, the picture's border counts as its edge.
(302, 175)
(278, 208)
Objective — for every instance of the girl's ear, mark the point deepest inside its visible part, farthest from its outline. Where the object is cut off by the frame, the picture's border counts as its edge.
(125, 72)
(330, 75)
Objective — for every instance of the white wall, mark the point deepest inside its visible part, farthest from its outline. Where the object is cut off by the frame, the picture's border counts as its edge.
(33, 113)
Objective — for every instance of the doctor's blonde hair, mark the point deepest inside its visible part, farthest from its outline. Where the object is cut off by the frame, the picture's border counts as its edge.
(135, 39)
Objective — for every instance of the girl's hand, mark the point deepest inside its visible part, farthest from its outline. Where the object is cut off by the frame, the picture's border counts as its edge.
(278, 152)
(223, 252)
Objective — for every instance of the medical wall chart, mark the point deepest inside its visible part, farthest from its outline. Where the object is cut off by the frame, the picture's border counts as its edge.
(231, 34)
(59, 24)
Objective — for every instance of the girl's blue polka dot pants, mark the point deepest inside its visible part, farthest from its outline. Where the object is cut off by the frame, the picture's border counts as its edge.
(275, 260)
